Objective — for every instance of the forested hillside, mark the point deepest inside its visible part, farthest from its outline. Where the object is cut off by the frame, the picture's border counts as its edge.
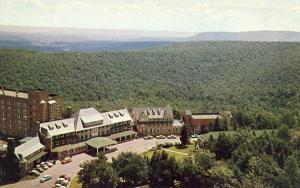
(248, 76)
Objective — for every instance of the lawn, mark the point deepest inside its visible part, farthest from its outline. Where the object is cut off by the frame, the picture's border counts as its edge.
(187, 149)
(177, 156)
(74, 183)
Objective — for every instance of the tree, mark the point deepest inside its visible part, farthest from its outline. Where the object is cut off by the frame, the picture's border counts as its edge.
(284, 133)
(97, 173)
(264, 168)
(220, 175)
(10, 164)
(224, 123)
(205, 171)
(163, 170)
(184, 138)
(223, 147)
(217, 125)
(282, 181)
(131, 168)
(292, 171)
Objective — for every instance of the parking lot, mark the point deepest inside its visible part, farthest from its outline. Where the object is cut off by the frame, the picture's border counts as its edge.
(71, 169)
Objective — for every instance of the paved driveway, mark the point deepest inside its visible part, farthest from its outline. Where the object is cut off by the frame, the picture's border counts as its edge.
(71, 169)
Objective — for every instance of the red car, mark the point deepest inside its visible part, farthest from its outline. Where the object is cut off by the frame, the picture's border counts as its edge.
(66, 160)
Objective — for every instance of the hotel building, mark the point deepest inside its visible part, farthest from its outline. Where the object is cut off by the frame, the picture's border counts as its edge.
(29, 154)
(155, 121)
(197, 121)
(21, 112)
(77, 134)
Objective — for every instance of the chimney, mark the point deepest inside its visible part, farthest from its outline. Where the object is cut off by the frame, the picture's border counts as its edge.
(2, 88)
(17, 92)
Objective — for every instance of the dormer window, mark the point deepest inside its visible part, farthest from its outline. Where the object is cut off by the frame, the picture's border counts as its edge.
(65, 124)
(116, 115)
(110, 116)
(57, 126)
(50, 127)
(153, 112)
(121, 114)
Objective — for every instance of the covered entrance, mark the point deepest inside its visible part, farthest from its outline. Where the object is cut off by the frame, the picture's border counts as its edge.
(99, 144)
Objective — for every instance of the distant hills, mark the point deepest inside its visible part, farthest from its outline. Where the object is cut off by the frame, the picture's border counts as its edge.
(53, 34)
(287, 36)
(75, 39)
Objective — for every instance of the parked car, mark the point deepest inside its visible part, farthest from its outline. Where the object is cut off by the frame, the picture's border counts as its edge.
(49, 164)
(45, 178)
(45, 167)
(171, 137)
(149, 137)
(160, 137)
(65, 177)
(57, 185)
(40, 169)
(34, 173)
(66, 160)
(59, 180)
(64, 183)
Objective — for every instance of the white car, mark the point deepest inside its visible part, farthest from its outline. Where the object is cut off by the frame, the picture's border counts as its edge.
(45, 178)
(34, 173)
(45, 167)
(149, 137)
(49, 164)
(160, 137)
(64, 183)
(59, 180)
(171, 137)
(40, 169)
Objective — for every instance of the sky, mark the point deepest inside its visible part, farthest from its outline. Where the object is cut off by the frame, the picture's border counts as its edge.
(161, 15)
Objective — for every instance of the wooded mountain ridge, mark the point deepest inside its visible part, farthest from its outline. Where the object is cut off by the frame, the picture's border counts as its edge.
(250, 76)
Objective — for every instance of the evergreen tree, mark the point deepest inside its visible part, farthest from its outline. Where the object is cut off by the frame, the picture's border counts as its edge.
(10, 165)
(184, 137)
(217, 125)
(223, 147)
(163, 170)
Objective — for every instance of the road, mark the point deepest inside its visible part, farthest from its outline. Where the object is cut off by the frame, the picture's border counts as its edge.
(71, 169)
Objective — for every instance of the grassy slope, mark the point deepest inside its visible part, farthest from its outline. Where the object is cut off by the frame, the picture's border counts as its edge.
(74, 183)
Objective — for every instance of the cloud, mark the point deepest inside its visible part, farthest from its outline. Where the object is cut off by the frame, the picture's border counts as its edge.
(187, 15)
(295, 8)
